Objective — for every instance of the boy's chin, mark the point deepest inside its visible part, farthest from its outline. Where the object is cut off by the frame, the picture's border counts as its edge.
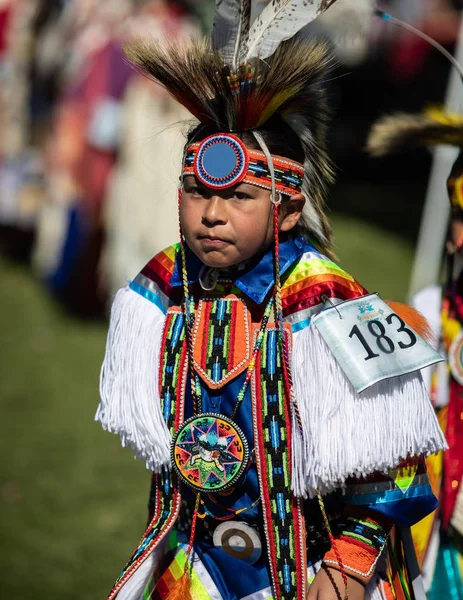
(218, 262)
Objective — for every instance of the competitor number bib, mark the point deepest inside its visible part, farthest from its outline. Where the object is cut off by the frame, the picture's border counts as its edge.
(371, 342)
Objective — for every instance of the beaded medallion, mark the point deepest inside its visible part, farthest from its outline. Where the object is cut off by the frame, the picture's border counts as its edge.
(209, 452)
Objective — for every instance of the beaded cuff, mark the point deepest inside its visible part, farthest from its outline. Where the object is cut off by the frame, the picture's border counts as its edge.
(359, 544)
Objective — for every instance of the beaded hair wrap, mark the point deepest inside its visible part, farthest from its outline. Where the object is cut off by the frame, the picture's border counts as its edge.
(288, 384)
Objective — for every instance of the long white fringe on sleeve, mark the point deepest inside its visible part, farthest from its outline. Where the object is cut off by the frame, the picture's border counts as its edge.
(129, 381)
(350, 434)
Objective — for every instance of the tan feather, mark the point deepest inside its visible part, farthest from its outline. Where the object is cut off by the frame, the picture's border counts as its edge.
(402, 131)
(348, 24)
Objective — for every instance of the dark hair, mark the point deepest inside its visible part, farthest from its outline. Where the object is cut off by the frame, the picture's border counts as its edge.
(279, 137)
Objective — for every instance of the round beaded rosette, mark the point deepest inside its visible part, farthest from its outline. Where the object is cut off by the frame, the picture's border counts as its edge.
(209, 452)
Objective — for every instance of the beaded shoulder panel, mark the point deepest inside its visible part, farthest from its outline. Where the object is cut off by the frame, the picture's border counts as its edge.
(221, 340)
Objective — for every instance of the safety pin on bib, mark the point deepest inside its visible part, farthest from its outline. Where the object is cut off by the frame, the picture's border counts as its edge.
(327, 300)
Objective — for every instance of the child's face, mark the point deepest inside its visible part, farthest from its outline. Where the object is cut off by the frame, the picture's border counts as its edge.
(226, 227)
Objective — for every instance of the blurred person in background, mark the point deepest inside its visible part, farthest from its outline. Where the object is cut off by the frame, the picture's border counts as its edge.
(139, 219)
(64, 103)
(20, 160)
(81, 151)
(439, 537)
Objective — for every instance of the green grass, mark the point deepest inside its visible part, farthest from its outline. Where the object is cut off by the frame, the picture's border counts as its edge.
(72, 501)
(380, 260)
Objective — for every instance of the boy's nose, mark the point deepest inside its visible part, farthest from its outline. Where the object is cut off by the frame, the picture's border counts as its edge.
(215, 210)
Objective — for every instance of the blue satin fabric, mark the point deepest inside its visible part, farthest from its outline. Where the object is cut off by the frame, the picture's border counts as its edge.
(258, 277)
(403, 508)
(233, 577)
(148, 294)
(447, 582)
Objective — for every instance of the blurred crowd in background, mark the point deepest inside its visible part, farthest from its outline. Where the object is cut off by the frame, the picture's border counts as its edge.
(90, 150)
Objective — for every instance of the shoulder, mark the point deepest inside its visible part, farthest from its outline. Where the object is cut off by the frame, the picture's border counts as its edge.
(310, 282)
(155, 280)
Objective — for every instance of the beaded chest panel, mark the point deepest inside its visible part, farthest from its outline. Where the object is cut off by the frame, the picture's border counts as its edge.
(221, 340)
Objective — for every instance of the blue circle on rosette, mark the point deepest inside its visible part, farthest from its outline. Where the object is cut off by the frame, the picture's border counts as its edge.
(221, 161)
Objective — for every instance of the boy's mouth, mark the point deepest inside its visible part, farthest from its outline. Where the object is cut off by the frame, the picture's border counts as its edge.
(213, 241)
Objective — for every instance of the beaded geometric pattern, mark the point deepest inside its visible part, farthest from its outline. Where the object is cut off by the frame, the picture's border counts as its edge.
(272, 440)
(166, 499)
(221, 161)
(288, 174)
(359, 544)
(365, 531)
(221, 340)
(209, 452)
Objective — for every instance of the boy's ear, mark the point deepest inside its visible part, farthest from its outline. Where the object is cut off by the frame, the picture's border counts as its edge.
(291, 212)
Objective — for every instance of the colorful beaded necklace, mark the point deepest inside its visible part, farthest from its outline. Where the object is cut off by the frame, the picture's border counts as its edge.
(209, 451)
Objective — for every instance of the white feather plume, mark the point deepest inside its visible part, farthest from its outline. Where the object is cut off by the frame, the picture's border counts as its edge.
(230, 29)
(279, 21)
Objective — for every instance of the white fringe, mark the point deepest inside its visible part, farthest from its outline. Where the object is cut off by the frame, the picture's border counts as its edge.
(136, 584)
(372, 590)
(349, 434)
(130, 403)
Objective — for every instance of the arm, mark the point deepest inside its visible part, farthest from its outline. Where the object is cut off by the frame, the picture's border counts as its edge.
(372, 505)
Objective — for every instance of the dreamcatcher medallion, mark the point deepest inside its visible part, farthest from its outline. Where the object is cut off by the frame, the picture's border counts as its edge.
(209, 452)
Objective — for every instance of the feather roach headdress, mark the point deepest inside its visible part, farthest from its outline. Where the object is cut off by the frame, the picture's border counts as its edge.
(402, 131)
(245, 75)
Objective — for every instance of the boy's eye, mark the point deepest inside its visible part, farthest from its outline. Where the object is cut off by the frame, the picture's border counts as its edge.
(241, 196)
(195, 190)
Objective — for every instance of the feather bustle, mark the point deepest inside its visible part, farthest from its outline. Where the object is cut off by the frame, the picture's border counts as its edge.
(414, 319)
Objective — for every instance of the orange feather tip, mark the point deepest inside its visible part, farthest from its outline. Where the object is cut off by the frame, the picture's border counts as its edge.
(181, 589)
(414, 319)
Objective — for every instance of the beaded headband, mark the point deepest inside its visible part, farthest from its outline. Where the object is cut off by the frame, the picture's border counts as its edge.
(222, 160)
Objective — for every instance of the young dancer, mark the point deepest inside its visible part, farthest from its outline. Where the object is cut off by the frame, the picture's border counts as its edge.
(277, 404)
